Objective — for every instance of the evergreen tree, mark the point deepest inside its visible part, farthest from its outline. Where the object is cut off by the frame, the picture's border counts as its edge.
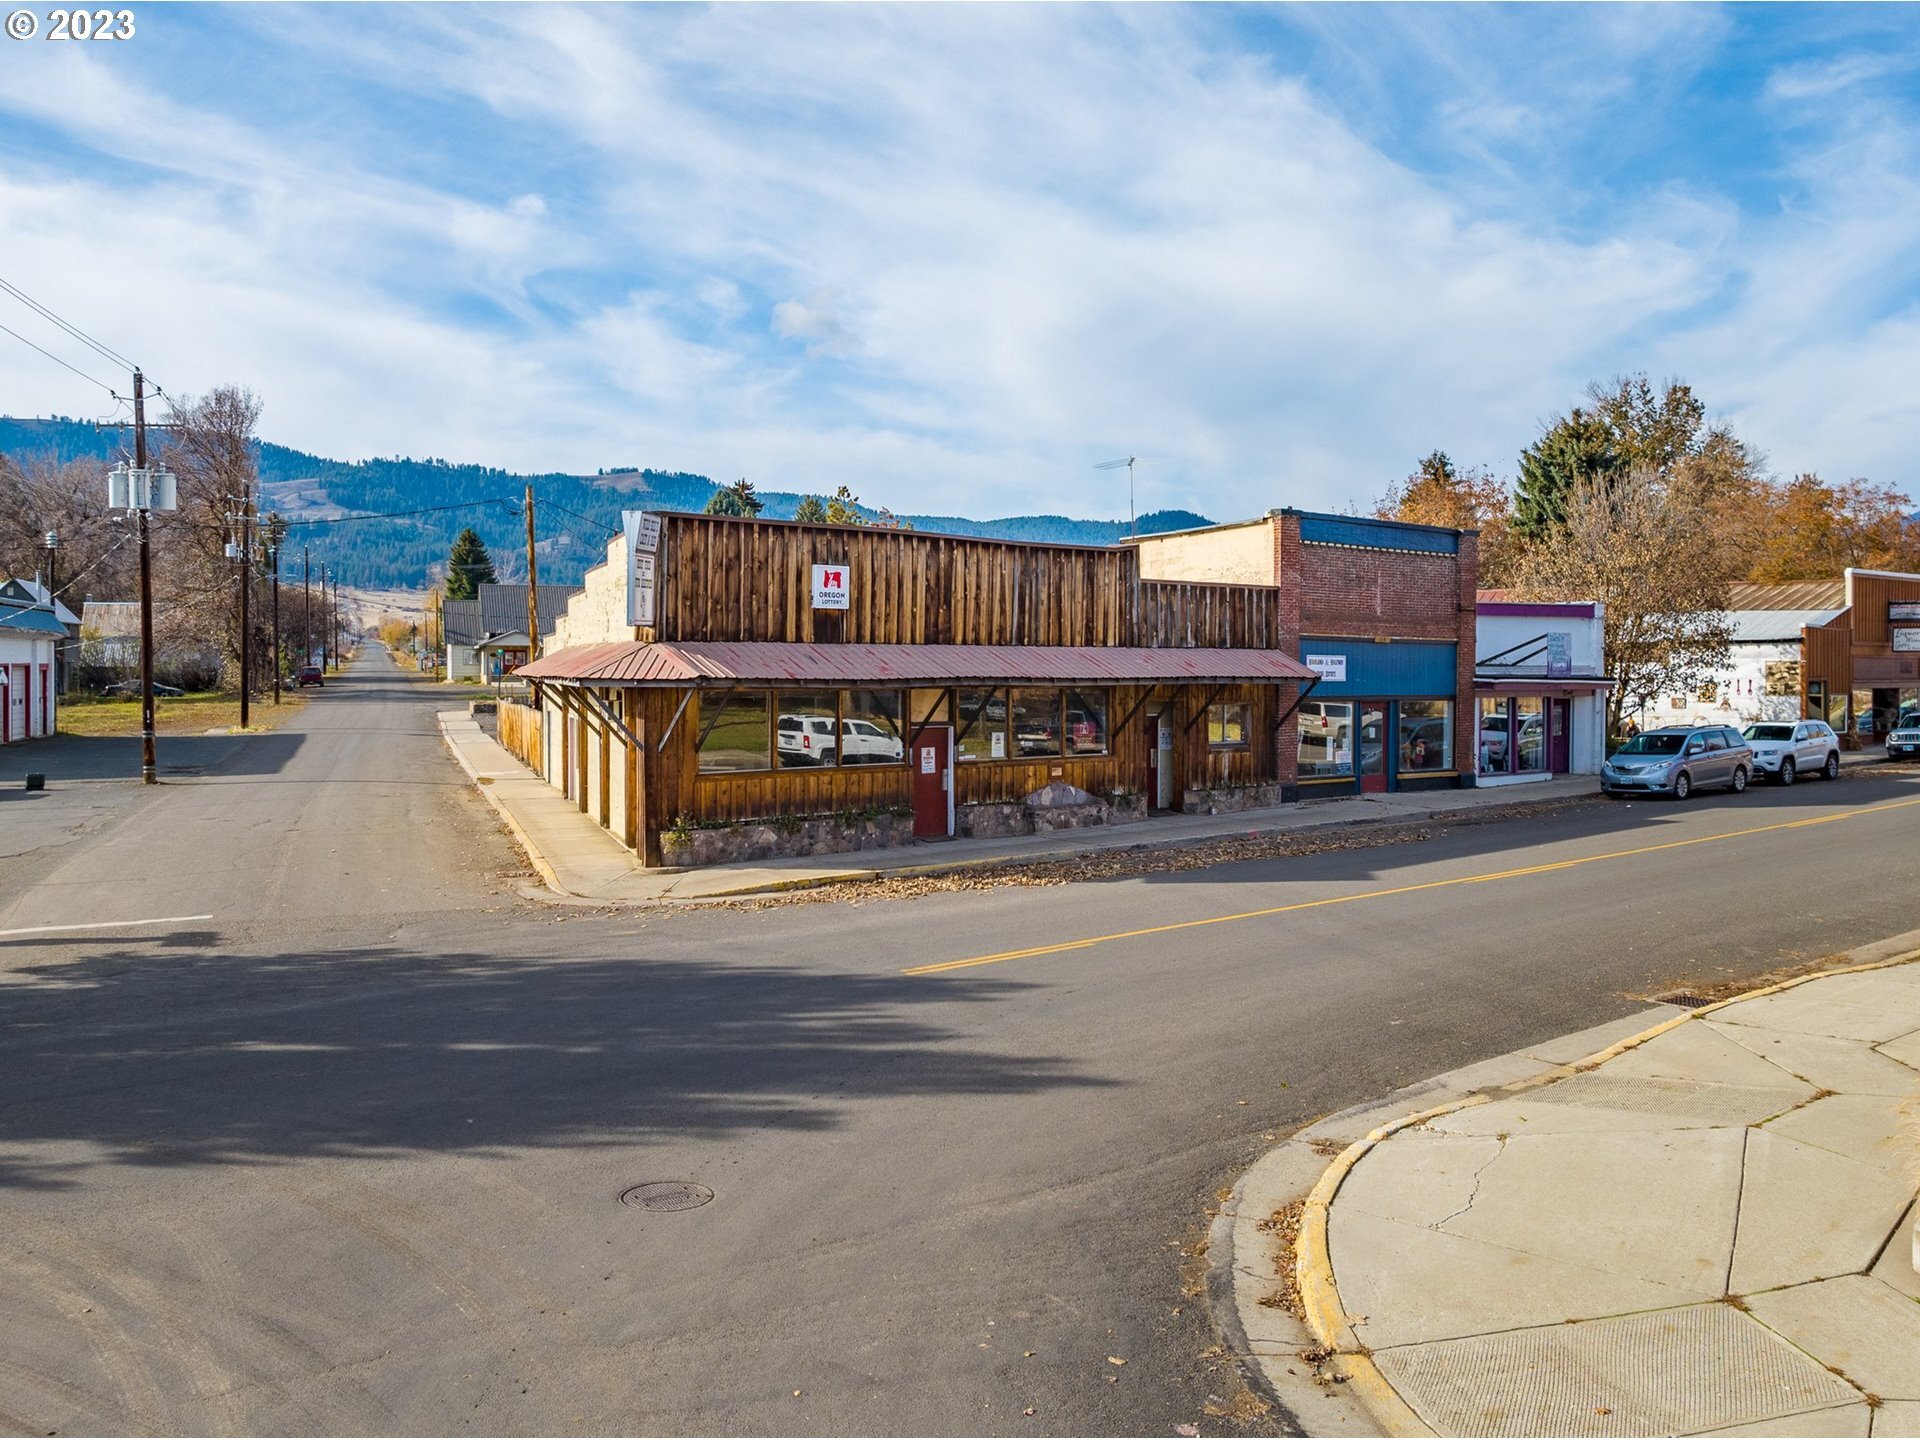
(1575, 448)
(468, 566)
(735, 499)
(812, 510)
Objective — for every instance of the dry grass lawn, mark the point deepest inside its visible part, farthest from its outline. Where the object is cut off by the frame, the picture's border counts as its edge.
(191, 714)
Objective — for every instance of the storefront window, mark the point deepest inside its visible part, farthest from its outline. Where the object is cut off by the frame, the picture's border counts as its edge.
(1326, 738)
(870, 728)
(983, 719)
(1426, 735)
(1036, 723)
(1530, 734)
(1496, 736)
(1086, 722)
(1229, 727)
(804, 731)
(737, 737)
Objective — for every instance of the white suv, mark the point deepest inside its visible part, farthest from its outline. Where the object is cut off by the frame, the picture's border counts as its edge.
(1788, 749)
(804, 739)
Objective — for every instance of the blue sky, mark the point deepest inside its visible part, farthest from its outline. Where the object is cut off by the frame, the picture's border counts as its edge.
(955, 256)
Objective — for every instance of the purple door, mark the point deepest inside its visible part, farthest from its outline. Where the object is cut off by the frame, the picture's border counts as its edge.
(1559, 758)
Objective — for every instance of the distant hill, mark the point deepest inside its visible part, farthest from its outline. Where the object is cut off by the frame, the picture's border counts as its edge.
(576, 513)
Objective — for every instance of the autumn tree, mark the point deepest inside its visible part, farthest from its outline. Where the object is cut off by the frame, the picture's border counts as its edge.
(1633, 542)
(843, 508)
(211, 447)
(469, 566)
(1440, 493)
(1809, 530)
(735, 499)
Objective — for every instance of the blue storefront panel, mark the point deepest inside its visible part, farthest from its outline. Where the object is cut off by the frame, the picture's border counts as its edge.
(1377, 671)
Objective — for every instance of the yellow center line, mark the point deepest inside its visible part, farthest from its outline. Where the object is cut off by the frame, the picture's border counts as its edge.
(1092, 940)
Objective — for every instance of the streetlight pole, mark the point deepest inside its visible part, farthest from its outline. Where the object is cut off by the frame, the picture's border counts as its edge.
(53, 599)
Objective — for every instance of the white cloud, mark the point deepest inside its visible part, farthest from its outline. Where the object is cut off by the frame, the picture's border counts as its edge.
(1027, 239)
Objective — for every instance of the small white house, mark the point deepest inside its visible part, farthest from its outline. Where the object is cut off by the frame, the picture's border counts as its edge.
(30, 634)
(1540, 688)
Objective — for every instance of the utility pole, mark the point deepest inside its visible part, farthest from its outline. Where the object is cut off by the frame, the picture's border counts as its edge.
(140, 489)
(273, 555)
(244, 552)
(148, 769)
(533, 586)
(324, 626)
(306, 584)
(333, 612)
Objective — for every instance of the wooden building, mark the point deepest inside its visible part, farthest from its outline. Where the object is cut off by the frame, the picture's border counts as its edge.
(804, 688)
(1860, 670)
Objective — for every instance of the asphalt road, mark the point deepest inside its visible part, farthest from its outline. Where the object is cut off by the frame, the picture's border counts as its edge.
(338, 1146)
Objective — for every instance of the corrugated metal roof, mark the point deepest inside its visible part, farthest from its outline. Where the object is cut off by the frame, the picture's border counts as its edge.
(1751, 627)
(36, 619)
(1797, 595)
(781, 663)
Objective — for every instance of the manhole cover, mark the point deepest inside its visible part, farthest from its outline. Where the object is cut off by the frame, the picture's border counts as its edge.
(667, 1195)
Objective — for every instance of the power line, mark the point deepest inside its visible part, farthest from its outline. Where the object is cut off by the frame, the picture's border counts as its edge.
(556, 505)
(58, 361)
(71, 329)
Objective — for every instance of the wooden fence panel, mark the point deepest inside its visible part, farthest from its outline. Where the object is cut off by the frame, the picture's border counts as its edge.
(520, 733)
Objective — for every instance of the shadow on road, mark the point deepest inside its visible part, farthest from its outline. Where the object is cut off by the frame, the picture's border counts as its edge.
(97, 757)
(167, 1054)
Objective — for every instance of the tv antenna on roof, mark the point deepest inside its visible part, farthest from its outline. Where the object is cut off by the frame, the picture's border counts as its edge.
(1132, 525)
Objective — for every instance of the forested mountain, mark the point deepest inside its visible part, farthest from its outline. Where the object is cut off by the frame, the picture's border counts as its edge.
(575, 514)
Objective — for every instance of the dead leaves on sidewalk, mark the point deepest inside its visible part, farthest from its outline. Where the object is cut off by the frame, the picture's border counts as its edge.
(1145, 859)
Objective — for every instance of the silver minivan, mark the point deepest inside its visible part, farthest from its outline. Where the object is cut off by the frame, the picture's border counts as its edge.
(1679, 760)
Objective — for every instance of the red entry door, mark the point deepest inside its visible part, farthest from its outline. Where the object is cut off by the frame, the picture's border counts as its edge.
(932, 765)
(1373, 747)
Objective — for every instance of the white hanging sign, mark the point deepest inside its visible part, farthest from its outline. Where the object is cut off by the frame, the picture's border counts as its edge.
(643, 539)
(1332, 669)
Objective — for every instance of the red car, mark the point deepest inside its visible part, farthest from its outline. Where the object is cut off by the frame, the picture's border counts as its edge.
(310, 675)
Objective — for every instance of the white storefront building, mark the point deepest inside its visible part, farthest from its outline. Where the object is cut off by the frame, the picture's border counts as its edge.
(1541, 690)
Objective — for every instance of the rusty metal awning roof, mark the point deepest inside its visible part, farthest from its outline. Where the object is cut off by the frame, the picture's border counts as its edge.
(714, 662)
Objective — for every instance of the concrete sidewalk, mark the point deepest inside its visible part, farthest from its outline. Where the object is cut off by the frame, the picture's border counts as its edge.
(1704, 1228)
(578, 859)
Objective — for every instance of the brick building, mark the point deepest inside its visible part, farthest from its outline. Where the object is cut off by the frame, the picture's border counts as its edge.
(1384, 613)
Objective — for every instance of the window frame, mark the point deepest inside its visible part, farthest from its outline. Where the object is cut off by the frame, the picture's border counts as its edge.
(1229, 747)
